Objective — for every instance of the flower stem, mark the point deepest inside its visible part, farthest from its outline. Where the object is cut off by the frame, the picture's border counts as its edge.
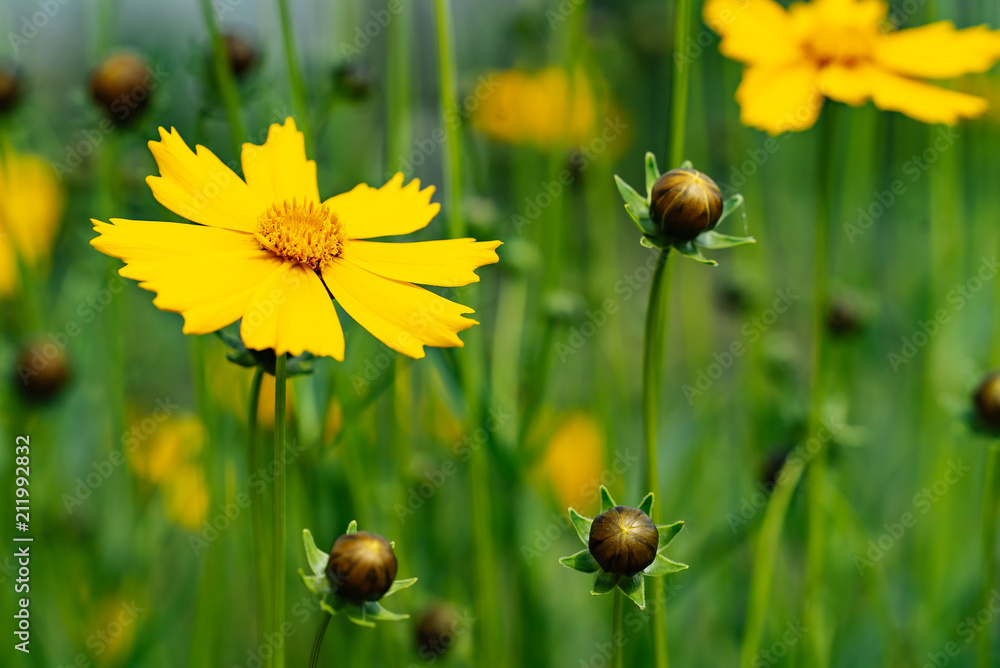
(682, 76)
(278, 509)
(449, 110)
(256, 509)
(294, 74)
(991, 510)
(654, 341)
(617, 659)
(224, 75)
(318, 641)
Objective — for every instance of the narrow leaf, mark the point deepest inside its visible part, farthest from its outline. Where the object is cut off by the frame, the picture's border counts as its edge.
(635, 588)
(690, 251)
(399, 585)
(667, 533)
(663, 566)
(637, 204)
(582, 561)
(713, 240)
(352, 527)
(604, 582)
(316, 557)
(581, 524)
(652, 173)
(607, 503)
(374, 610)
(646, 505)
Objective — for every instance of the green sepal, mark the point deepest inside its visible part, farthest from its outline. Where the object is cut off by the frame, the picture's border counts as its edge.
(637, 204)
(730, 205)
(652, 174)
(317, 584)
(646, 505)
(607, 503)
(604, 582)
(714, 241)
(316, 557)
(663, 566)
(374, 610)
(690, 251)
(243, 358)
(581, 524)
(582, 561)
(356, 613)
(635, 589)
(667, 533)
(334, 606)
(687, 164)
(352, 527)
(399, 585)
(654, 241)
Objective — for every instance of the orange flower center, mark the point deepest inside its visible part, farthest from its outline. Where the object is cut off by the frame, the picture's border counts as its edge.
(303, 232)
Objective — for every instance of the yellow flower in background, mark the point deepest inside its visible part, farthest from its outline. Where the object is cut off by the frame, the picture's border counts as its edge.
(169, 460)
(185, 497)
(574, 460)
(547, 108)
(269, 251)
(31, 208)
(838, 49)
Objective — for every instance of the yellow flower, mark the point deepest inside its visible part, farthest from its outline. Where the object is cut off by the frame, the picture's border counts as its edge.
(31, 207)
(185, 497)
(172, 445)
(838, 49)
(574, 460)
(546, 109)
(268, 250)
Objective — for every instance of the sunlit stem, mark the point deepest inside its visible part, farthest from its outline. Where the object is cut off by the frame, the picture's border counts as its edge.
(256, 510)
(278, 517)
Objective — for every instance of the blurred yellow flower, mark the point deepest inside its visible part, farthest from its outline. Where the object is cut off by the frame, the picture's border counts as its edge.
(839, 49)
(547, 108)
(31, 208)
(185, 496)
(574, 460)
(269, 251)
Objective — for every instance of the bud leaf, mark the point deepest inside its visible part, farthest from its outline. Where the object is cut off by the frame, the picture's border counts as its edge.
(317, 584)
(652, 173)
(399, 585)
(607, 503)
(730, 205)
(690, 251)
(316, 557)
(357, 614)
(646, 505)
(581, 524)
(604, 582)
(713, 240)
(667, 533)
(582, 561)
(635, 588)
(663, 566)
(373, 610)
(352, 527)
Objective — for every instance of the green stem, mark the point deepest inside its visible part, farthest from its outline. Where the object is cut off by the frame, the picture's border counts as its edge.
(256, 509)
(449, 112)
(617, 659)
(991, 509)
(278, 517)
(224, 75)
(682, 75)
(294, 74)
(318, 640)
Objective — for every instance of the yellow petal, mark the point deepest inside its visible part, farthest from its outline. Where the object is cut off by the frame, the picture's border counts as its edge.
(924, 102)
(939, 51)
(780, 99)
(291, 312)
(447, 263)
(279, 170)
(850, 85)
(380, 212)
(8, 270)
(400, 315)
(206, 274)
(200, 187)
(753, 31)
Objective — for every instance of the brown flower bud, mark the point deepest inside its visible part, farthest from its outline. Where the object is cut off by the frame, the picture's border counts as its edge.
(362, 566)
(843, 319)
(684, 203)
(623, 540)
(42, 371)
(120, 86)
(436, 631)
(987, 400)
(241, 53)
(10, 87)
(354, 80)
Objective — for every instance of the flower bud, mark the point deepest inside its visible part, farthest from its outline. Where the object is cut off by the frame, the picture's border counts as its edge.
(684, 203)
(362, 566)
(241, 53)
(623, 540)
(987, 400)
(10, 87)
(843, 319)
(120, 86)
(436, 631)
(42, 371)
(354, 80)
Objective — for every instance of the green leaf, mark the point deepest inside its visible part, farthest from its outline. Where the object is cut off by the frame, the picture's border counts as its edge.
(352, 527)
(581, 524)
(604, 582)
(690, 251)
(643, 222)
(730, 205)
(653, 241)
(317, 584)
(663, 566)
(317, 558)
(607, 503)
(713, 240)
(582, 561)
(667, 533)
(687, 164)
(652, 173)
(374, 610)
(243, 358)
(635, 588)
(399, 585)
(356, 613)
(646, 505)
(336, 605)
(637, 204)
